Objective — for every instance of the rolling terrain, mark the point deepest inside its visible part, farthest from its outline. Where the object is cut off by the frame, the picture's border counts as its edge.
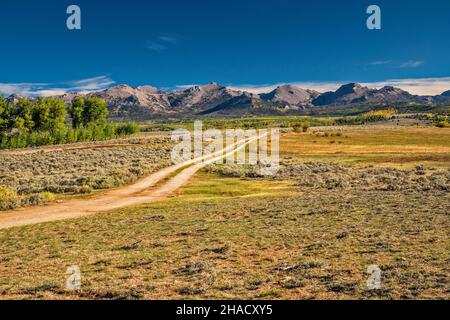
(345, 198)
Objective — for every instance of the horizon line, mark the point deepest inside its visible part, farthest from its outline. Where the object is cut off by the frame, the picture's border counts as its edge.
(431, 86)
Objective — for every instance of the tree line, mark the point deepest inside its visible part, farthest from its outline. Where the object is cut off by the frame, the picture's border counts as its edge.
(44, 121)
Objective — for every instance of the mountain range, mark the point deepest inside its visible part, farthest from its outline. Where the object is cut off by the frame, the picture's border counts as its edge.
(147, 102)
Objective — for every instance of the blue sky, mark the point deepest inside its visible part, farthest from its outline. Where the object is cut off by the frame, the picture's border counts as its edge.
(253, 44)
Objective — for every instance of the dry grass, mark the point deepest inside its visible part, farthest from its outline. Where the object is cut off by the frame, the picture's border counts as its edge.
(323, 175)
(400, 147)
(309, 233)
(83, 170)
(261, 240)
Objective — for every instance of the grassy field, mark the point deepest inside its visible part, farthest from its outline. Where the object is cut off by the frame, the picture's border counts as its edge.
(400, 147)
(310, 233)
(242, 123)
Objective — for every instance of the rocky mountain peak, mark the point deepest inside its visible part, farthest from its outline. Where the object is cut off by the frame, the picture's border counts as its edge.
(145, 102)
(354, 93)
(148, 89)
(121, 87)
(206, 88)
(351, 88)
(392, 90)
(290, 95)
(213, 85)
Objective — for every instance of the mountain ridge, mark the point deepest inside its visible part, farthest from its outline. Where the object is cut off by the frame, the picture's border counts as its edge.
(147, 102)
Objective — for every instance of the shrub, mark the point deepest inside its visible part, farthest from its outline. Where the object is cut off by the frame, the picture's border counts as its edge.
(380, 115)
(300, 126)
(127, 129)
(30, 124)
(306, 126)
(92, 132)
(36, 199)
(443, 124)
(8, 198)
(47, 197)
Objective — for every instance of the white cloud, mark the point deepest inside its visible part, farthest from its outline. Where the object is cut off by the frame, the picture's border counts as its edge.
(380, 63)
(54, 89)
(23, 89)
(91, 84)
(49, 92)
(168, 38)
(420, 86)
(411, 64)
(161, 43)
(184, 87)
(154, 46)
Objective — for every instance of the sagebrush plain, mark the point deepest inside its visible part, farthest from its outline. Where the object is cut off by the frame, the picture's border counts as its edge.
(345, 198)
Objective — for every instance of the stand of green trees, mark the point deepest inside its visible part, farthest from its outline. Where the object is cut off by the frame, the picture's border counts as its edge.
(43, 122)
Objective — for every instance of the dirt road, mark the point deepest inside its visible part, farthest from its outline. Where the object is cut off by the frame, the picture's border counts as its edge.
(143, 191)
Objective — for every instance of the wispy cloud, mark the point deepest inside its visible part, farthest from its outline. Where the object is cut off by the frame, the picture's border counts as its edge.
(168, 39)
(397, 64)
(380, 62)
(185, 86)
(161, 43)
(419, 86)
(411, 64)
(154, 46)
(54, 89)
(91, 84)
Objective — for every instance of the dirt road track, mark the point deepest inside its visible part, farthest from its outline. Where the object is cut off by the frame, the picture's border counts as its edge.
(143, 191)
